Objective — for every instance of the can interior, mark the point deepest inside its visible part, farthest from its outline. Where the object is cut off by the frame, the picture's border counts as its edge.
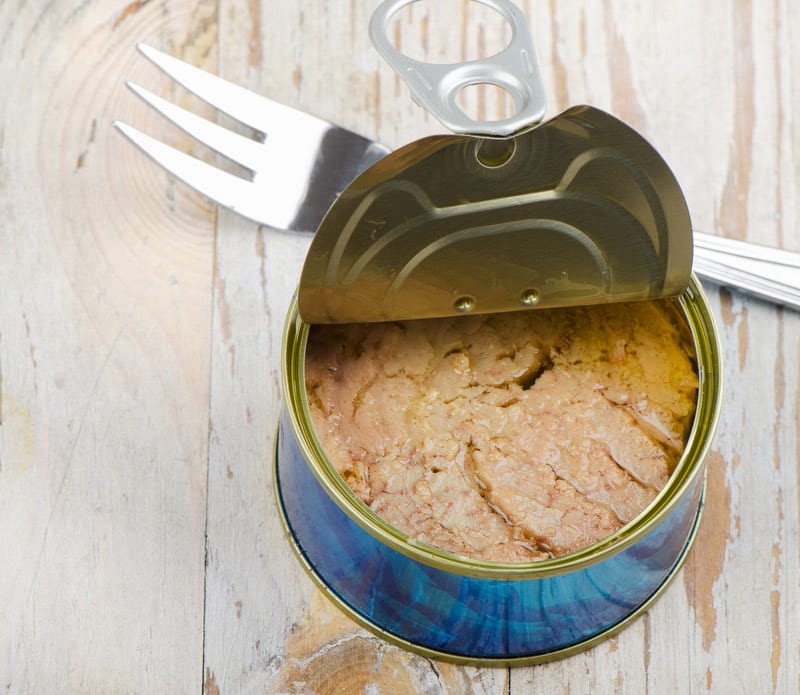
(693, 306)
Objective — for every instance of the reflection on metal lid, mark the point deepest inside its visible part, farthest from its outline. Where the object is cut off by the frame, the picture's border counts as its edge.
(579, 210)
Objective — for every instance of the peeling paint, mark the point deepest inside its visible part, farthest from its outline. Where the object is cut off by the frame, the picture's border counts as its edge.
(726, 307)
(779, 383)
(704, 567)
(81, 160)
(128, 11)
(733, 215)
(210, 686)
(254, 44)
(624, 102)
(775, 656)
(731, 317)
(742, 334)
(261, 253)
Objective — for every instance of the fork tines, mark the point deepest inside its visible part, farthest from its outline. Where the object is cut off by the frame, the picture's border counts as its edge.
(287, 188)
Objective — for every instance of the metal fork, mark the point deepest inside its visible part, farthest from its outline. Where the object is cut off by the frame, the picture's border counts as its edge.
(298, 169)
(304, 162)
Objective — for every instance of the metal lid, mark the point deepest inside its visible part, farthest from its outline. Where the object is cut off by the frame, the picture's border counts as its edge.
(579, 210)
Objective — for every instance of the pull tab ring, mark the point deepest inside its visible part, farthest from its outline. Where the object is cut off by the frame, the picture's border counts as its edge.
(435, 87)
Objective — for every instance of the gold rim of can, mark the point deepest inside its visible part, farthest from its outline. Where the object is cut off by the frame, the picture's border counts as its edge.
(697, 312)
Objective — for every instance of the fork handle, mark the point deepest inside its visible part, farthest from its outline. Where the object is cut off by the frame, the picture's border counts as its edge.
(763, 271)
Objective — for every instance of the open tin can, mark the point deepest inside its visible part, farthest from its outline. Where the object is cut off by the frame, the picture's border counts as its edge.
(580, 210)
(449, 607)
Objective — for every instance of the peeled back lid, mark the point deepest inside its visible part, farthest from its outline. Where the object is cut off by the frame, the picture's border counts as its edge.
(579, 210)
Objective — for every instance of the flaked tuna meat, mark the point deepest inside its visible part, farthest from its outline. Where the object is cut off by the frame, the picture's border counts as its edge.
(512, 437)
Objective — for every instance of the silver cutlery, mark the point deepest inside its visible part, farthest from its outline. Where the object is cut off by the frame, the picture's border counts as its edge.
(298, 169)
(304, 162)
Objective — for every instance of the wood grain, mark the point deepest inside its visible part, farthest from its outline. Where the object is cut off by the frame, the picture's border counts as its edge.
(140, 338)
(105, 345)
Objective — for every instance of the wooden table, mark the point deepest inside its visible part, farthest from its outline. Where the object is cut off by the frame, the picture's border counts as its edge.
(140, 329)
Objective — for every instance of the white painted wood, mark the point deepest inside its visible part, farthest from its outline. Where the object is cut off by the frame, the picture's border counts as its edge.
(105, 308)
(140, 333)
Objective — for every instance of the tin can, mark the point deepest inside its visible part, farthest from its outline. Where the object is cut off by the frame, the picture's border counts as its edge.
(479, 612)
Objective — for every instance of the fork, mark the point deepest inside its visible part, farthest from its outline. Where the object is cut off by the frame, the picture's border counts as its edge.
(298, 169)
(304, 162)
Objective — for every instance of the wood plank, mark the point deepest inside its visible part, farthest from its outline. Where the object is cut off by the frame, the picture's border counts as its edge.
(654, 68)
(105, 341)
(140, 331)
(267, 626)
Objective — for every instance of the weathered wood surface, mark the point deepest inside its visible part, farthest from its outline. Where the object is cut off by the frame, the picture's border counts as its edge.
(140, 329)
